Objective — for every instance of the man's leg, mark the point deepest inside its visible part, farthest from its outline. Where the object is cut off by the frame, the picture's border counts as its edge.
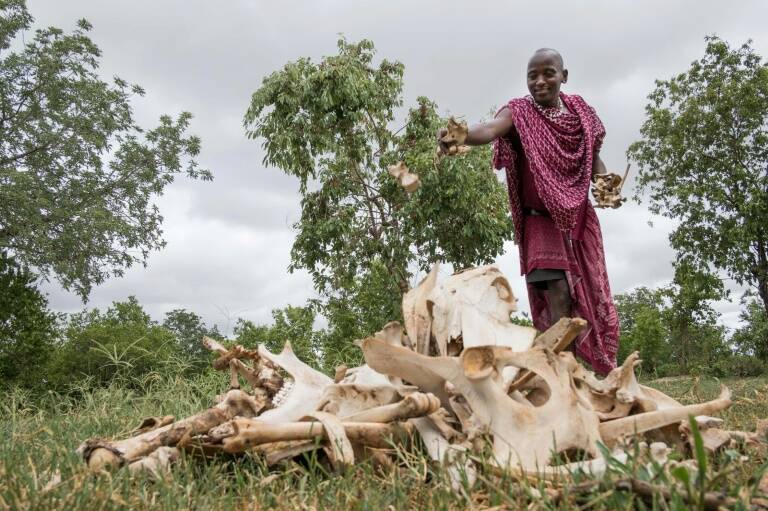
(559, 300)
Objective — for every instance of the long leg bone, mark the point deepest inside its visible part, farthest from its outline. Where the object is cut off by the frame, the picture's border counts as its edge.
(249, 433)
(412, 405)
(102, 454)
(612, 431)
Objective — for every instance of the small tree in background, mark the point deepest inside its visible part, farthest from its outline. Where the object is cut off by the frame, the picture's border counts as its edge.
(703, 160)
(750, 339)
(675, 327)
(361, 236)
(189, 330)
(77, 175)
(294, 324)
(28, 330)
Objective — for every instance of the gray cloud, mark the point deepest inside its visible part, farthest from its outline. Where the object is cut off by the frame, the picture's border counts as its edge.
(229, 240)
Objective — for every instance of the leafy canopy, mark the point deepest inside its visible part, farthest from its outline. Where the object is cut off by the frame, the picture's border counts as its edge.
(77, 174)
(361, 236)
(703, 160)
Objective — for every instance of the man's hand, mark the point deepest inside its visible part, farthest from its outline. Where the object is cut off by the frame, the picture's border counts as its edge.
(607, 189)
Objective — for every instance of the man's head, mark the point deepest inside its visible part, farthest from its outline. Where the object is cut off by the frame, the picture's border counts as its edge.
(545, 75)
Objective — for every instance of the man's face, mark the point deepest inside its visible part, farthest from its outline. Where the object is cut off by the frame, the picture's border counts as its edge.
(545, 74)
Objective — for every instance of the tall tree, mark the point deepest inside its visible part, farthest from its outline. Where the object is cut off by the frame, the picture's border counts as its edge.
(360, 235)
(703, 160)
(77, 175)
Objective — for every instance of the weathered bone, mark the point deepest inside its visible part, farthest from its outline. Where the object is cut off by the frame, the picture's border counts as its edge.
(408, 180)
(416, 313)
(557, 337)
(344, 399)
(250, 432)
(522, 435)
(307, 390)
(612, 431)
(156, 463)
(607, 189)
(454, 456)
(472, 308)
(412, 405)
(101, 454)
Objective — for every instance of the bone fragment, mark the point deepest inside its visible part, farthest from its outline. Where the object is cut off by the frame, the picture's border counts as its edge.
(416, 311)
(412, 405)
(612, 431)
(100, 454)
(157, 463)
(150, 423)
(307, 390)
(250, 433)
(453, 456)
(408, 180)
(339, 448)
(558, 337)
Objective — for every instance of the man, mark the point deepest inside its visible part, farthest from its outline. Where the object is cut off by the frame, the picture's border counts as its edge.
(549, 143)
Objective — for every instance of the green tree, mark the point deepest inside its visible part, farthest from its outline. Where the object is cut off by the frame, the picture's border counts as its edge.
(750, 339)
(674, 327)
(703, 160)
(643, 328)
(696, 340)
(28, 330)
(189, 330)
(361, 236)
(294, 324)
(77, 175)
(121, 342)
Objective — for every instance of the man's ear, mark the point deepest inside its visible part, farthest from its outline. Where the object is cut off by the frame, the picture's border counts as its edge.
(565, 75)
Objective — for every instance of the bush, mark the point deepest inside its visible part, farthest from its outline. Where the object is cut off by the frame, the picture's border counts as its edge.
(738, 366)
(122, 342)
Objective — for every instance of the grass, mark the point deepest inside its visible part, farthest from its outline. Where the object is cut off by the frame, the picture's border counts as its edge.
(39, 437)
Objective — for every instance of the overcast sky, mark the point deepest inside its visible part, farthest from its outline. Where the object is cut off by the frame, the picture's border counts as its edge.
(229, 240)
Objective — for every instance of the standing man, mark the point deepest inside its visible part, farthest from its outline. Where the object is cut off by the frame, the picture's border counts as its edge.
(549, 144)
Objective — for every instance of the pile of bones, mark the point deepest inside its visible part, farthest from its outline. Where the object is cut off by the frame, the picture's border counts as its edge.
(459, 375)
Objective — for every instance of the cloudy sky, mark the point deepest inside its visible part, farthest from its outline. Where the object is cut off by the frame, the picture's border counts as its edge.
(229, 240)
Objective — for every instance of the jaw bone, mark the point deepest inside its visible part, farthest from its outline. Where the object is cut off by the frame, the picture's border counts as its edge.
(308, 387)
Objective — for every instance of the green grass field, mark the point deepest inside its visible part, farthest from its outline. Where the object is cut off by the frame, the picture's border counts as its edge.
(40, 438)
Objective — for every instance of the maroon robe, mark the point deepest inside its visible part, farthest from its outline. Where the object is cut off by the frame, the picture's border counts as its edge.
(548, 162)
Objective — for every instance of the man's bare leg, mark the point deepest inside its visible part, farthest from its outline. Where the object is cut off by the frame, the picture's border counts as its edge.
(559, 300)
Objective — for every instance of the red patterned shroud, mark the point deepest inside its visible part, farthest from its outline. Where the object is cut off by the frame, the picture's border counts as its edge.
(556, 149)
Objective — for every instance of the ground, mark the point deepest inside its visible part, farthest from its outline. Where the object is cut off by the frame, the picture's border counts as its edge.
(37, 439)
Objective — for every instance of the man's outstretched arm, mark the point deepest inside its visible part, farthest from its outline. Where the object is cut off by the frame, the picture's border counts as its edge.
(485, 132)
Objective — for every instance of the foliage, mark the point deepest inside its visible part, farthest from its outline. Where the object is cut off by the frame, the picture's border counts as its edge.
(77, 174)
(361, 236)
(189, 330)
(28, 330)
(641, 316)
(294, 324)
(120, 343)
(703, 160)
(674, 327)
(750, 339)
